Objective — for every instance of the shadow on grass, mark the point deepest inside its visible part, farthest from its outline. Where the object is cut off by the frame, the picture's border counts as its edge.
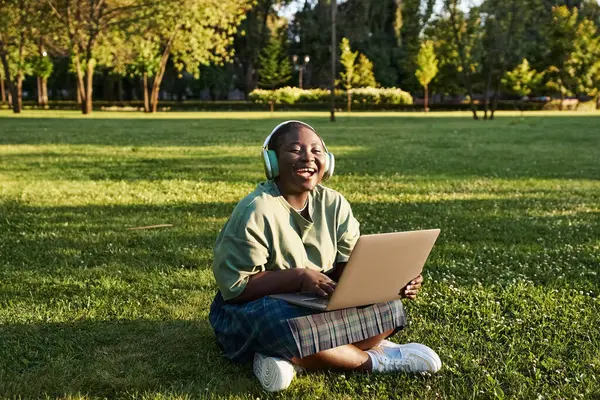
(93, 167)
(59, 238)
(542, 239)
(106, 358)
(558, 147)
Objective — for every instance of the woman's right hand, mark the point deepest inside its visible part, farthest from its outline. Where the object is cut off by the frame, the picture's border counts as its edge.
(316, 282)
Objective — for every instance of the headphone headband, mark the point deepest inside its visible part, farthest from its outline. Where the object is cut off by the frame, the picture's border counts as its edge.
(268, 139)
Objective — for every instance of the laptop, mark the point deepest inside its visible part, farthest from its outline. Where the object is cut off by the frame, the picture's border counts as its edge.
(380, 266)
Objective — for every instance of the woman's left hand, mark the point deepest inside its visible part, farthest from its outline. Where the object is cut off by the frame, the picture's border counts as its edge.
(412, 288)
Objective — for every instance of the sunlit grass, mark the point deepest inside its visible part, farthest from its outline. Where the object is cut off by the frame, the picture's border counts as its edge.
(89, 308)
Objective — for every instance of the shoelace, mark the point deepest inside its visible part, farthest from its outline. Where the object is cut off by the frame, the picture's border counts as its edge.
(393, 364)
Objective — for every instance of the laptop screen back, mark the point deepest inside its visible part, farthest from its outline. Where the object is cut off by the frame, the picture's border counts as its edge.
(380, 266)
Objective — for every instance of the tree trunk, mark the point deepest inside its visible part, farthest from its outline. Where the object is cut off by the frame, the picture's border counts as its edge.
(2, 90)
(39, 90)
(42, 83)
(160, 74)
(426, 99)
(598, 101)
(495, 97)
(18, 95)
(44, 92)
(349, 97)
(146, 104)
(89, 75)
(78, 92)
(463, 61)
(156, 86)
(488, 87)
(8, 78)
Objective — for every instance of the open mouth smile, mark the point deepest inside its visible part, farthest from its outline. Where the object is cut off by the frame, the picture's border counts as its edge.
(307, 172)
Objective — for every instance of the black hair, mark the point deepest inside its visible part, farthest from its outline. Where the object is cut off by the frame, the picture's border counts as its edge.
(277, 138)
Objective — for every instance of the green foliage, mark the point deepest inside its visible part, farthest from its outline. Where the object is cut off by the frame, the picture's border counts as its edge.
(522, 80)
(364, 72)
(275, 67)
(18, 20)
(292, 95)
(427, 63)
(575, 54)
(89, 309)
(416, 15)
(41, 66)
(348, 76)
(560, 75)
(585, 58)
(448, 79)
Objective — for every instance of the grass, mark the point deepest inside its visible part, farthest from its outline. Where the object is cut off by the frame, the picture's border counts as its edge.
(89, 309)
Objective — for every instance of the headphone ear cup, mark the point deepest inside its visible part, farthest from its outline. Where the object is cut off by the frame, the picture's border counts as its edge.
(330, 166)
(271, 158)
(267, 164)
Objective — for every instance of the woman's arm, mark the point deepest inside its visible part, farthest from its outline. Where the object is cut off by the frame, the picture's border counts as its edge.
(286, 281)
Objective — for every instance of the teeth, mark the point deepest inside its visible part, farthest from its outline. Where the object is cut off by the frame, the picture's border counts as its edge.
(306, 170)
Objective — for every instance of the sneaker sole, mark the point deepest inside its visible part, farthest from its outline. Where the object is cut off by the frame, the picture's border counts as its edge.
(265, 369)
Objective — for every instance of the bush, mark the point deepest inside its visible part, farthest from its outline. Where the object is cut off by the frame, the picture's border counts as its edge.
(293, 95)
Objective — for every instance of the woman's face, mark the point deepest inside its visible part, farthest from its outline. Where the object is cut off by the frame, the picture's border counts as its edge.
(301, 159)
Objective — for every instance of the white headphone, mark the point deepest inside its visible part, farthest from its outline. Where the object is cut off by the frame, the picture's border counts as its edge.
(269, 157)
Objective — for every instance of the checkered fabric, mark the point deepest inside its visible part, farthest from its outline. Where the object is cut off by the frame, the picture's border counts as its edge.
(276, 328)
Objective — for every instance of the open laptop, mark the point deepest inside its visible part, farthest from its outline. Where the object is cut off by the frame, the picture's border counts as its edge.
(379, 267)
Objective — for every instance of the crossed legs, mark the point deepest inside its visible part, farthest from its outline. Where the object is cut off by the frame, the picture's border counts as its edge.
(351, 357)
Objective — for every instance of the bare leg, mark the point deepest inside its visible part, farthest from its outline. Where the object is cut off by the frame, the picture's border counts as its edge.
(350, 357)
(372, 342)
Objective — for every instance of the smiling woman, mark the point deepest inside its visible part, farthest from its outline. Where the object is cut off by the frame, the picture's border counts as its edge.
(292, 234)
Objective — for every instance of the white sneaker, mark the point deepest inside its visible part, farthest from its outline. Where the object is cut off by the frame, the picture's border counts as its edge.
(274, 373)
(411, 357)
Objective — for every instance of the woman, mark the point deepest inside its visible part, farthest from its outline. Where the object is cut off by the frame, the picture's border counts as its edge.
(292, 234)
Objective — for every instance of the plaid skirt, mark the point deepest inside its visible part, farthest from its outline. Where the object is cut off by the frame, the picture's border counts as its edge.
(277, 328)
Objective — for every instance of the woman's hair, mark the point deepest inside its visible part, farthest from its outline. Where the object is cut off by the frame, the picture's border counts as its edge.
(277, 138)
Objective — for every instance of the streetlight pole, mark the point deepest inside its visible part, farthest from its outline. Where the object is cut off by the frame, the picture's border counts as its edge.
(333, 52)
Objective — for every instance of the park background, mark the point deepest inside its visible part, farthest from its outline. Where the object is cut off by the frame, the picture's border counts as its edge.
(92, 306)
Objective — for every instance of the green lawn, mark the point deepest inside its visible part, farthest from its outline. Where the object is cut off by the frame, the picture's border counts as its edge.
(90, 309)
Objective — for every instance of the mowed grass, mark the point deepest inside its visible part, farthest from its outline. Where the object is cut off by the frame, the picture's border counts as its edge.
(91, 309)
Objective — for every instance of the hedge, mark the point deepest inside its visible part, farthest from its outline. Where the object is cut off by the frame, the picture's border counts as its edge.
(293, 95)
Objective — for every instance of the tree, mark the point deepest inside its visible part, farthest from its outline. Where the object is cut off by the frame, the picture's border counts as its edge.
(364, 72)
(415, 15)
(466, 33)
(562, 44)
(86, 23)
(275, 67)
(17, 17)
(253, 34)
(427, 67)
(448, 79)
(348, 76)
(48, 41)
(42, 67)
(190, 33)
(522, 80)
(503, 39)
(584, 61)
